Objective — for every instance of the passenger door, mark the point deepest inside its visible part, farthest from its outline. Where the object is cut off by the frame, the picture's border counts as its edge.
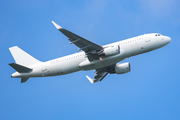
(43, 67)
(147, 39)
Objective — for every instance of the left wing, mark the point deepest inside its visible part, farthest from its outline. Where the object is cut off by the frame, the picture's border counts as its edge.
(91, 49)
(101, 73)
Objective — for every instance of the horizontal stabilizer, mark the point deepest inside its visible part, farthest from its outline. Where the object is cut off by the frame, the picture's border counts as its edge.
(20, 68)
(23, 80)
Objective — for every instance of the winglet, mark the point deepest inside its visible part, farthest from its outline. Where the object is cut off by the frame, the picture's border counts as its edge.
(56, 25)
(91, 80)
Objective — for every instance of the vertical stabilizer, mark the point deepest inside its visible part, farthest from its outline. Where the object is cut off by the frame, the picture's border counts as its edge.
(21, 57)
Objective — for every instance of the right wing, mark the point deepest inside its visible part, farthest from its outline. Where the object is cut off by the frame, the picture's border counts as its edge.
(101, 73)
(87, 46)
(97, 77)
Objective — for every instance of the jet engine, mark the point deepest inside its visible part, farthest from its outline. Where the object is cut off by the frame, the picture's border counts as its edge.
(112, 50)
(122, 68)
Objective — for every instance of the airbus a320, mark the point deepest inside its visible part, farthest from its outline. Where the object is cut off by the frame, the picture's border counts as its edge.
(103, 59)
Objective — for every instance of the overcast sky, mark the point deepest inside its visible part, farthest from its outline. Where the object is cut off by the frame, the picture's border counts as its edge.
(151, 91)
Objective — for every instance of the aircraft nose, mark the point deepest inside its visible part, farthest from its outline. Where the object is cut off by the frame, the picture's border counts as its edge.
(168, 39)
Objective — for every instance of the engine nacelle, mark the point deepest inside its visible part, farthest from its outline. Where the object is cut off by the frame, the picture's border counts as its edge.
(122, 68)
(112, 50)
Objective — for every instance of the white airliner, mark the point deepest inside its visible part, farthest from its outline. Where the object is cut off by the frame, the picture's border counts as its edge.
(103, 59)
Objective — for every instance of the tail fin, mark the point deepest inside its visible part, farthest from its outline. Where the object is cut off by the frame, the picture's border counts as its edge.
(21, 57)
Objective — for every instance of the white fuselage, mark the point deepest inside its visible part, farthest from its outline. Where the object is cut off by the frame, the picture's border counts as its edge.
(79, 61)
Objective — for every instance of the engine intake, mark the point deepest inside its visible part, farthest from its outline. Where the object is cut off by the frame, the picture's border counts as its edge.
(122, 68)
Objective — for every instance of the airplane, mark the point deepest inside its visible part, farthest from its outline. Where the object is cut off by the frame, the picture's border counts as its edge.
(104, 59)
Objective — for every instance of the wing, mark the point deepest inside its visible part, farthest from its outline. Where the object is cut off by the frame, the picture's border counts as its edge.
(101, 73)
(98, 77)
(87, 46)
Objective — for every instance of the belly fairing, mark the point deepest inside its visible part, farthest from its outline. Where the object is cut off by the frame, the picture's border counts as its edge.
(102, 62)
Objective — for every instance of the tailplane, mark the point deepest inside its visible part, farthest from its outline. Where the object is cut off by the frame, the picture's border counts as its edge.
(20, 68)
(21, 57)
(23, 80)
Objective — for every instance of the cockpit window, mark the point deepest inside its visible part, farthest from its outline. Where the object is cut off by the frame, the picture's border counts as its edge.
(157, 34)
